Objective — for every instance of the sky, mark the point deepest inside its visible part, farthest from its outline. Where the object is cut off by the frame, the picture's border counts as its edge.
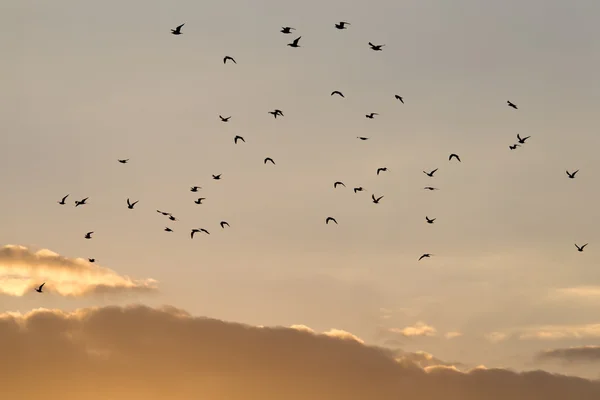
(505, 288)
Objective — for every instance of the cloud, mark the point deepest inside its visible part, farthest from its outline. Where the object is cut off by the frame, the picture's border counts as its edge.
(586, 292)
(452, 335)
(558, 332)
(571, 355)
(496, 337)
(337, 333)
(419, 329)
(139, 352)
(22, 269)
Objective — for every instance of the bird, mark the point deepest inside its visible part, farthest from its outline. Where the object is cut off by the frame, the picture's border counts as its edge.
(167, 229)
(337, 92)
(224, 119)
(216, 177)
(276, 113)
(514, 146)
(269, 159)
(198, 230)
(81, 202)
(376, 47)
(172, 218)
(335, 185)
(522, 140)
(371, 116)
(228, 58)
(235, 139)
(426, 255)
(511, 104)
(382, 169)
(287, 29)
(572, 175)
(39, 289)
(455, 156)
(199, 201)
(362, 138)
(131, 205)
(163, 213)
(430, 174)
(376, 200)
(430, 221)
(88, 235)
(295, 42)
(223, 223)
(358, 189)
(580, 249)
(123, 161)
(177, 31)
(330, 219)
(430, 188)
(342, 25)
(91, 260)
(195, 188)
(62, 202)
(399, 98)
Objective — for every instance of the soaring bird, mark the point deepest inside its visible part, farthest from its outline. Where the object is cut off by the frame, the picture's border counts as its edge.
(426, 255)
(172, 217)
(167, 229)
(430, 188)
(216, 177)
(81, 202)
(430, 221)
(224, 119)
(163, 212)
(511, 104)
(376, 47)
(88, 235)
(276, 112)
(358, 189)
(455, 156)
(335, 185)
(62, 202)
(572, 175)
(238, 137)
(430, 174)
(362, 138)
(522, 140)
(287, 29)
(223, 223)
(581, 248)
(195, 188)
(123, 161)
(177, 31)
(199, 201)
(228, 58)
(269, 159)
(198, 230)
(371, 116)
(399, 98)
(330, 219)
(514, 146)
(337, 92)
(91, 260)
(382, 169)
(295, 42)
(342, 25)
(39, 289)
(376, 200)
(131, 205)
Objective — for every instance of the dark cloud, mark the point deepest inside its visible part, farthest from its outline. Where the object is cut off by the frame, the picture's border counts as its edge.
(571, 355)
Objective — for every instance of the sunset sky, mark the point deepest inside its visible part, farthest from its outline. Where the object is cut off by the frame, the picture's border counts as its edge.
(87, 83)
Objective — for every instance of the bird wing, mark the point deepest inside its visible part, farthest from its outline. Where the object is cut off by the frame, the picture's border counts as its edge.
(180, 26)
(42, 285)
(420, 258)
(584, 246)
(128, 203)
(64, 198)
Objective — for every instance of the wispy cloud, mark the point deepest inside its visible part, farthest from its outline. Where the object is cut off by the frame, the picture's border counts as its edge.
(22, 269)
(496, 337)
(571, 355)
(557, 332)
(452, 335)
(584, 292)
(419, 329)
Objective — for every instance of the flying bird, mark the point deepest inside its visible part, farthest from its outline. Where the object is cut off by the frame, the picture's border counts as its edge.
(177, 31)
(337, 92)
(199, 201)
(172, 218)
(383, 169)
(131, 205)
(163, 213)
(514, 146)
(358, 189)
(123, 161)
(335, 185)
(287, 29)
(399, 98)
(330, 219)
(235, 139)
(572, 175)
(430, 221)
(376, 47)
(511, 104)
(581, 248)
(342, 25)
(88, 235)
(430, 188)
(167, 229)
(362, 138)
(195, 188)
(269, 159)
(376, 200)
(224, 119)
(275, 113)
(228, 58)
(81, 202)
(216, 177)
(295, 42)
(430, 174)
(455, 156)
(39, 289)
(426, 255)
(91, 260)
(223, 223)
(62, 202)
(522, 140)
(198, 230)
(371, 116)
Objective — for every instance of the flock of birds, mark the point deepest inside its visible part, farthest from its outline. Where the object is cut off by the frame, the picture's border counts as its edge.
(278, 113)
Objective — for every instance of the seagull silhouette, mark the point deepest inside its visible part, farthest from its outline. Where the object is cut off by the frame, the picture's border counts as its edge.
(91, 260)
(382, 169)
(581, 248)
(511, 104)
(275, 113)
(167, 229)
(88, 235)
(295, 42)
(455, 156)
(399, 98)
(337, 92)
(216, 177)
(376, 47)
(81, 202)
(123, 161)
(163, 213)
(269, 159)
(430, 221)
(371, 116)
(358, 189)
(376, 200)
(430, 188)
(39, 289)
(287, 29)
(335, 185)
(228, 58)
(342, 25)
(572, 175)
(330, 219)
(195, 188)
(199, 201)
(430, 174)
(235, 139)
(131, 205)
(62, 202)
(177, 31)
(223, 223)
(198, 230)
(362, 138)
(426, 255)
(224, 119)
(172, 217)
(514, 146)
(522, 140)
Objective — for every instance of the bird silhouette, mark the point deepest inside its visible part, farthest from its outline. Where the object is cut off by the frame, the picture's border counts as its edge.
(430, 221)
(88, 235)
(287, 29)
(572, 175)
(177, 31)
(335, 185)
(235, 139)
(224, 119)
(216, 177)
(358, 189)
(362, 138)
(39, 289)
(223, 223)
(399, 98)
(275, 113)
(131, 205)
(371, 116)
(62, 202)
(426, 255)
(228, 58)
(514, 146)
(376, 47)
(342, 25)
(376, 200)
(430, 188)
(295, 42)
(167, 229)
(197, 231)
(522, 140)
(123, 161)
(382, 169)
(430, 174)
(580, 248)
(163, 212)
(91, 260)
(81, 202)
(195, 188)
(330, 219)
(269, 159)
(511, 104)
(337, 92)
(199, 201)
(172, 217)
(455, 156)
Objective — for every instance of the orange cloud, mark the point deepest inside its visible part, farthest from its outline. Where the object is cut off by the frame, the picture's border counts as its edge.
(419, 329)
(137, 352)
(22, 269)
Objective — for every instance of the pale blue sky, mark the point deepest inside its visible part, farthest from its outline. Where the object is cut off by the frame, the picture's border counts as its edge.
(90, 82)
